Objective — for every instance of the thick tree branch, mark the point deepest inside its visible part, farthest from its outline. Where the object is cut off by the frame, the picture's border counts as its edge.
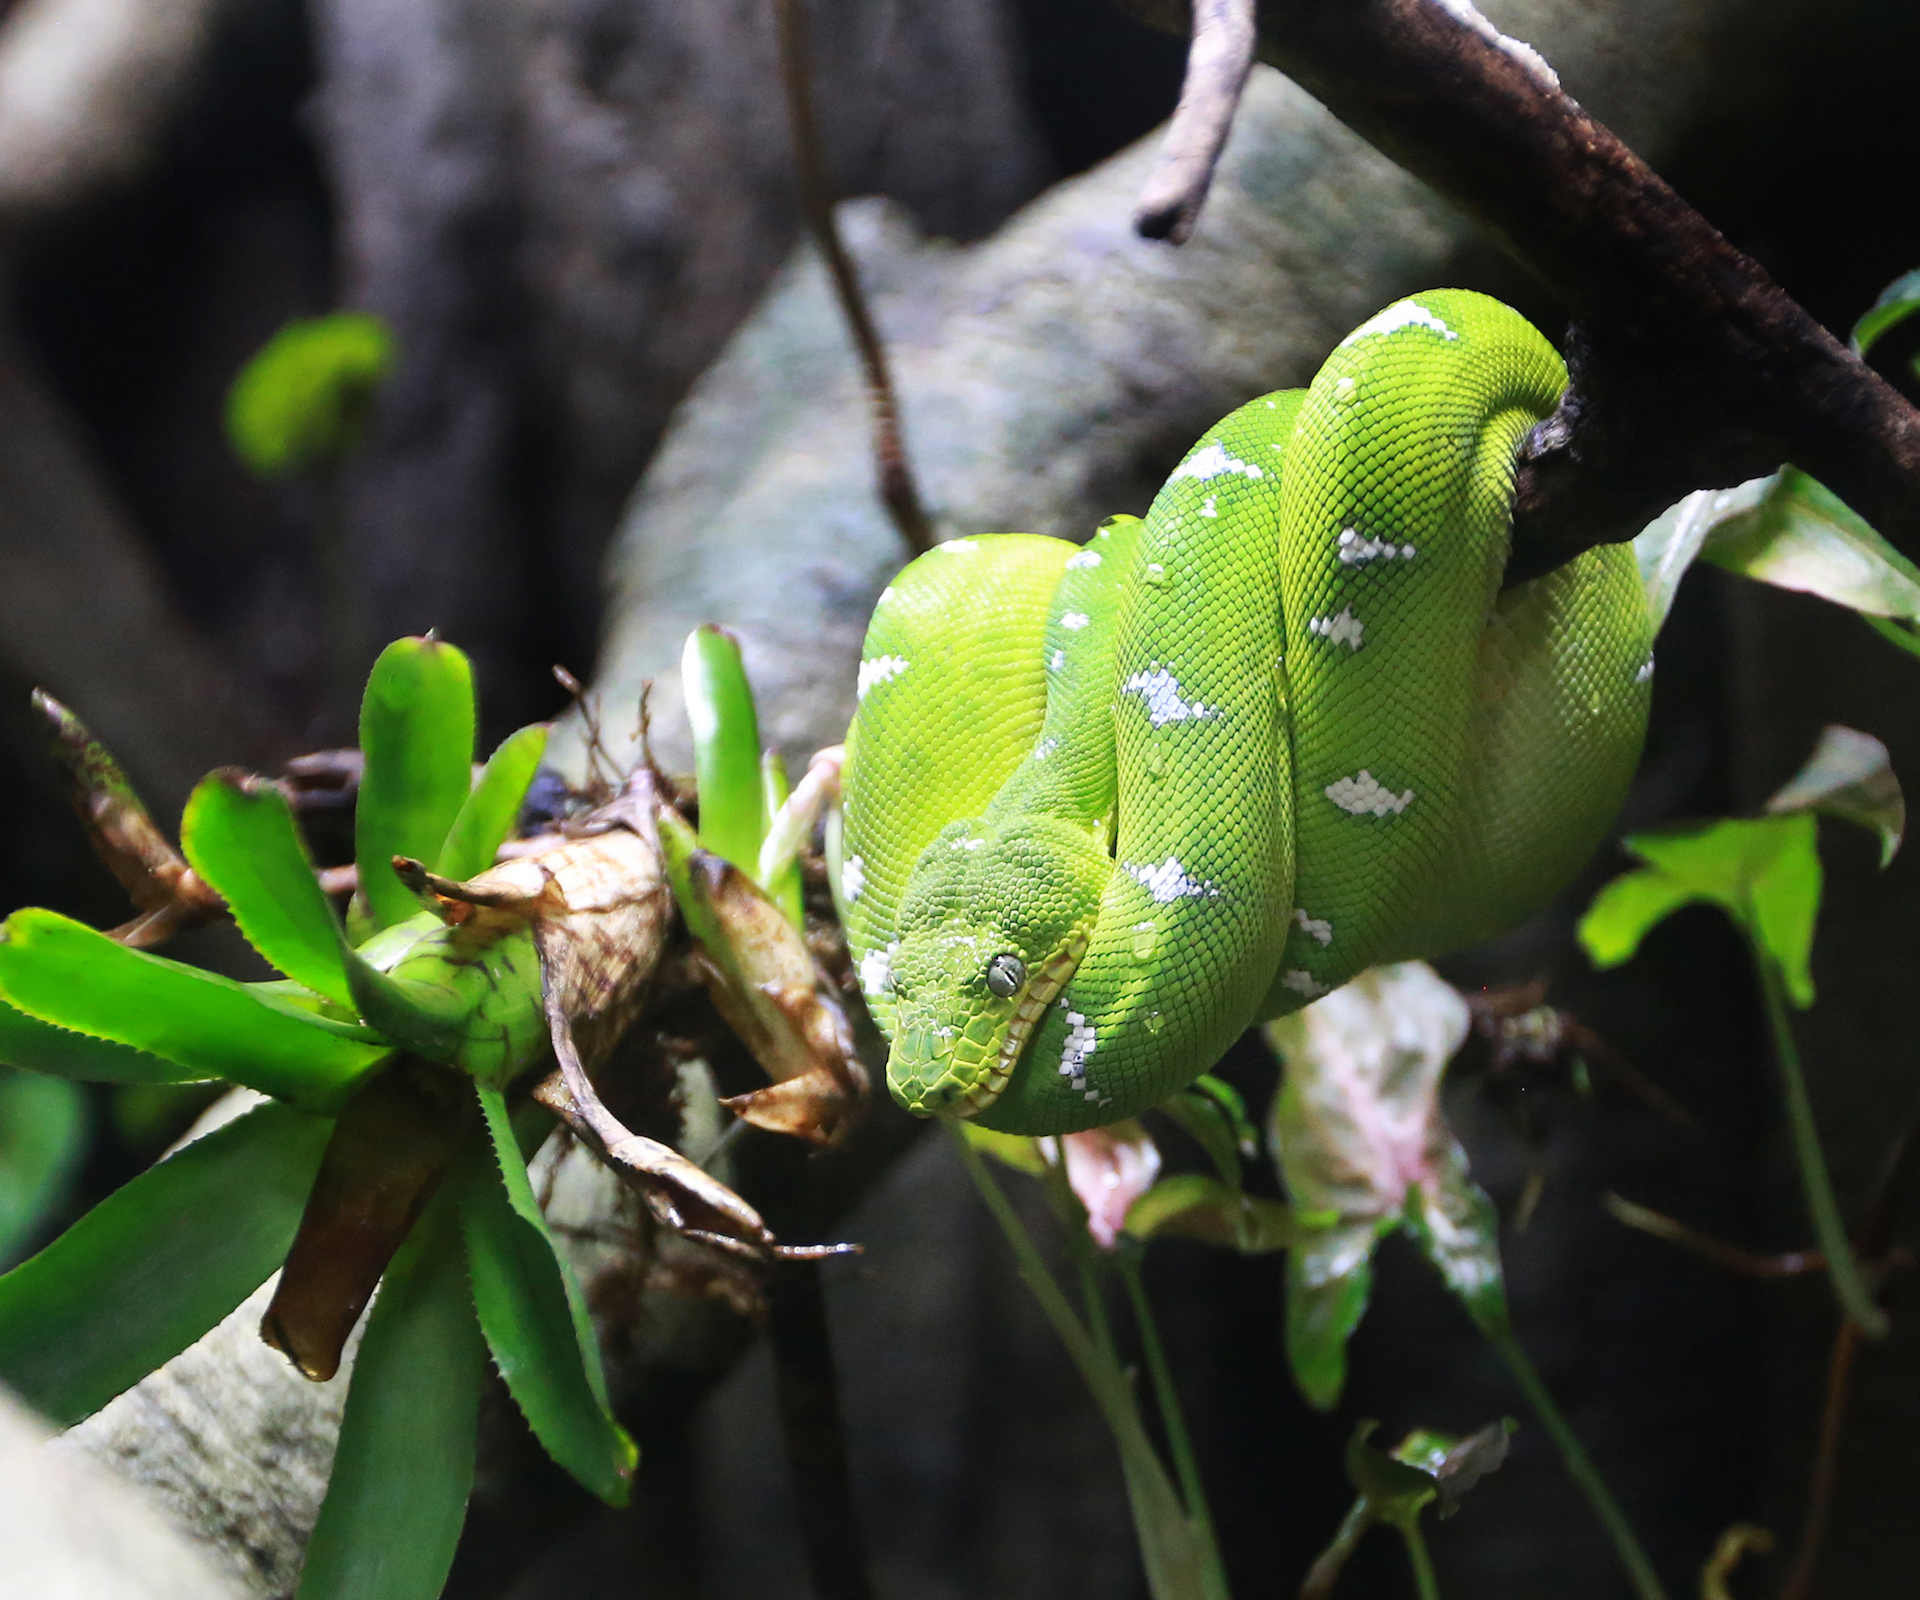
(1691, 367)
(1218, 62)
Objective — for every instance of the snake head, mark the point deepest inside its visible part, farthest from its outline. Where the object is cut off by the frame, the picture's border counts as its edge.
(992, 925)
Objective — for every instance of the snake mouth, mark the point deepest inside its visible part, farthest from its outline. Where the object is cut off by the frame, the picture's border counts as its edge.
(933, 1074)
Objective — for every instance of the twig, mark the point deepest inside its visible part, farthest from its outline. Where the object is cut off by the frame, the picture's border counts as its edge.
(1218, 61)
(816, 1441)
(895, 474)
(1748, 1263)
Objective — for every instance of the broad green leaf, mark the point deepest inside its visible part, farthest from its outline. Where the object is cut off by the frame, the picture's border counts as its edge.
(416, 731)
(65, 973)
(1357, 1131)
(302, 403)
(784, 886)
(535, 1317)
(1204, 1120)
(1192, 1205)
(1898, 301)
(398, 1495)
(1849, 776)
(1627, 909)
(1764, 872)
(43, 1125)
(239, 834)
(726, 746)
(1458, 1230)
(488, 814)
(157, 1263)
(38, 1046)
(1395, 1490)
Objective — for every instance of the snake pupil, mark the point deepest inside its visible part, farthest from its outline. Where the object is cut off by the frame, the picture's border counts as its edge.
(1005, 974)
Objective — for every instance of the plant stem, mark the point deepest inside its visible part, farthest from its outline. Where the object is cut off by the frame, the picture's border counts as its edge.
(1579, 1464)
(1179, 1443)
(1423, 1579)
(1849, 1287)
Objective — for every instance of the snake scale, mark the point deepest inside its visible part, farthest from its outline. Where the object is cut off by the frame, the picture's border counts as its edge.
(1108, 804)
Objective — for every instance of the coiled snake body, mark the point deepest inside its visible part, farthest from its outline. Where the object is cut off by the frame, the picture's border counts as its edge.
(1106, 805)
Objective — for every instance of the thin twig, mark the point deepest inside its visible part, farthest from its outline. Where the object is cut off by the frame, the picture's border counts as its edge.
(1748, 1263)
(895, 474)
(1218, 61)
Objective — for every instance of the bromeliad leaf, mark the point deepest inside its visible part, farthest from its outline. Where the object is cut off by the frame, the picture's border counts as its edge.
(239, 834)
(212, 1027)
(416, 732)
(302, 402)
(43, 1124)
(404, 1466)
(1358, 1133)
(488, 814)
(38, 1046)
(726, 747)
(535, 1318)
(157, 1263)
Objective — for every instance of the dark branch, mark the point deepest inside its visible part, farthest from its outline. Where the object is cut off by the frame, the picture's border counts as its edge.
(1217, 66)
(1691, 367)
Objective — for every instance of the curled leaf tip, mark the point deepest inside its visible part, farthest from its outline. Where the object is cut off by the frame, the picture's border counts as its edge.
(1850, 776)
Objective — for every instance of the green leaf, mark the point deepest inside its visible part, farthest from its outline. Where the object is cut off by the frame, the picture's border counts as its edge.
(784, 887)
(1898, 301)
(1009, 1149)
(1192, 1205)
(488, 814)
(1204, 1120)
(535, 1317)
(43, 1125)
(67, 974)
(1626, 910)
(1458, 1230)
(38, 1046)
(239, 834)
(1394, 1490)
(157, 1263)
(1849, 776)
(302, 403)
(726, 747)
(416, 731)
(398, 1495)
(1329, 1280)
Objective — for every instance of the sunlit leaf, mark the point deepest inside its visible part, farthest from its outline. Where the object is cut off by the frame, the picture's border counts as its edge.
(487, 815)
(1898, 301)
(43, 1124)
(404, 1465)
(157, 1263)
(726, 747)
(1849, 776)
(65, 973)
(302, 403)
(416, 731)
(535, 1317)
(1357, 1131)
(1009, 1149)
(239, 834)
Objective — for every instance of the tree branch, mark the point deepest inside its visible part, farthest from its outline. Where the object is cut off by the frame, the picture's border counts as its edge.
(1217, 66)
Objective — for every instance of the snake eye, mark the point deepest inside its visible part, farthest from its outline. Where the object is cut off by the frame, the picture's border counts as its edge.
(1005, 974)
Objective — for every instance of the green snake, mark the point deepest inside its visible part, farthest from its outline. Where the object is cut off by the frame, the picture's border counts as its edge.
(1108, 805)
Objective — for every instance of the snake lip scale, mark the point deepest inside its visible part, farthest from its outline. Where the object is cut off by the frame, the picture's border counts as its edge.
(1217, 761)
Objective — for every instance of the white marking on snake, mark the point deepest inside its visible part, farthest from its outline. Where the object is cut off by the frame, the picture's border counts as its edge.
(1085, 558)
(1364, 794)
(1208, 509)
(1059, 660)
(877, 671)
(1317, 927)
(1646, 670)
(965, 844)
(1045, 748)
(1074, 621)
(886, 594)
(1350, 547)
(1081, 1043)
(1169, 881)
(876, 970)
(1401, 314)
(1305, 983)
(960, 547)
(1212, 460)
(1344, 629)
(1162, 696)
(853, 879)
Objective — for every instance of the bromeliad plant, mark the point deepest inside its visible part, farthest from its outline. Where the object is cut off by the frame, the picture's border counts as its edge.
(392, 1147)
